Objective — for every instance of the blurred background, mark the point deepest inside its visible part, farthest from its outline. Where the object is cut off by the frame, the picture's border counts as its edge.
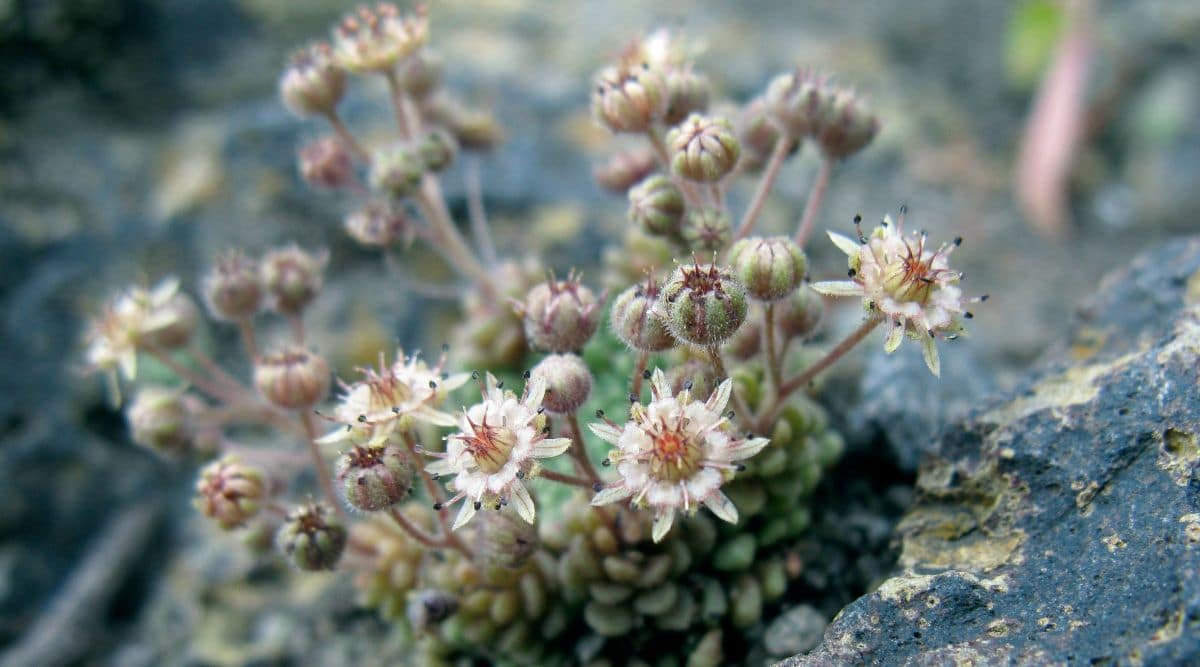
(140, 137)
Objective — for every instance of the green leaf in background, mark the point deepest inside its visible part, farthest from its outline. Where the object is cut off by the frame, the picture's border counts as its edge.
(1033, 31)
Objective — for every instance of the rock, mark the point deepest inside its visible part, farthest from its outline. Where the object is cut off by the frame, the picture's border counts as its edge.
(1061, 525)
(794, 631)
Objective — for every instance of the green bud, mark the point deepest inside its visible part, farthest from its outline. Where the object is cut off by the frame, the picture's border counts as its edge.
(292, 377)
(396, 170)
(795, 101)
(230, 492)
(311, 538)
(637, 322)
(437, 150)
(687, 93)
(706, 229)
(704, 304)
(656, 205)
(629, 99)
(770, 268)
(846, 125)
(292, 277)
(373, 478)
(703, 149)
(159, 419)
(799, 314)
(559, 315)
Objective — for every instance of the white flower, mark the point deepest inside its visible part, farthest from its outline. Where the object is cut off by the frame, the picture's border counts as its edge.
(390, 398)
(907, 283)
(376, 40)
(675, 453)
(495, 448)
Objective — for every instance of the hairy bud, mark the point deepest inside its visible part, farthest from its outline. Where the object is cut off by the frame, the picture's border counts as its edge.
(312, 84)
(796, 101)
(703, 149)
(695, 376)
(637, 321)
(770, 268)
(373, 477)
(706, 229)
(799, 314)
(293, 378)
(559, 315)
(629, 99)
(656, 205)
(687, 93)
(293, 277)
(846, 125)
(625, 169)
(703, 304)
(312, 538)
(230, 492)
(233, 289)
(437, 149)
(568, 382)
(396, 170)
(502, 539)
(159, 419)
(747, 342)
(758, 135)
(325, 163)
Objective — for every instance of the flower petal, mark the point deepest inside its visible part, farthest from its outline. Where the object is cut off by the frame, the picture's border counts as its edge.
(611, 495)
(658, 382)
(722, 507)
(895, 336)
(522, 502)
(662, 524)
(464, 515)
(550, 447)
(434, 417)
(441, 467)
(535, 391)
(747, 448)
(845, 243)
(338, 435)
(720, 397)
(838, 288)
(931, 355)
(606, 432)
(454, 381)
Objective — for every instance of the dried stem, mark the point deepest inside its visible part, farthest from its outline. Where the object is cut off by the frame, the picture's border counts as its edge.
(783, 147)
(815, 197)
(324, 480)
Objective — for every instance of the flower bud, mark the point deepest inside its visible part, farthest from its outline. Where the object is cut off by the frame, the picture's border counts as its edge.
(292, 378)
(629, 99)
(312, 538)
(475, 129)
(293, 277)
(703, 304)
(158, 419)
(637, 321)
(559, 315)
(312, 84)
(625, 169)
(172, 323)
(703, 148)
(396, 170)
(373, 477)
(502, 538)
(378, 223)
(758, 135)
(421, 75)
(746, 343)
(799, 314)
(325, 163)
(568, 382)
(846, 125)
(229, 492)
(696, 376)
(706, 229)
(233, 288)
(437, 150)
(770, 268)
(796, 100)
(376, 40)
(687, 93)
(657, 206)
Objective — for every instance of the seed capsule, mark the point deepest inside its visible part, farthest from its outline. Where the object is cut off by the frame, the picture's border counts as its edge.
(703, 148)
(373, 477)
(229, 492)
(568, 382)
(311, 538)
(637, 321)
(656, 205)
(704, 304)
(770, 268)
(292, 378)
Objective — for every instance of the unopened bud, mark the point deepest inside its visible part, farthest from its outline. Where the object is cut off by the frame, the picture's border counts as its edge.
(846, 125)
(325, 163)
(396, 170)
(657, 206)
(796, 101)
(437, 149)
(233, 288)
(629, 99)
(312, 84)
(293, 277)
(696, 376)
(770, 268)
(292, 378)
(312, 538)
(625, 169)
(637, 321)
(703, 304)
(560, 315)
(501, 538)
(378, 223)
(703, 148)
(799, 314)
(687, 93)
(706, 229)
(746, 343)
(475, 129)
(230, 492)
(373, 477)
(421, 75)
(159, 419)
(568, 382)
(758, 135)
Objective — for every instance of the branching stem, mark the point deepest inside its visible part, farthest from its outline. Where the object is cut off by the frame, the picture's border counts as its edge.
(815, 198)
(783, 147)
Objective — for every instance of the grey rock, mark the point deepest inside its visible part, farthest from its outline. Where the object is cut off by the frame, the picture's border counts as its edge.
(1060, 525)
(796, 630)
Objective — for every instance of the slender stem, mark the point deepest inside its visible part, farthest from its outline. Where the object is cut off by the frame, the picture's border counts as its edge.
(565, 479)
(421, 287)
(249, 340)
(414, 531)
(579, 451)
(830, 357)
(216, 371)
(690, 196)
(323, 478)
(773, 362)
(815, 197)
(479, 220)
(348, 141)
(297, 324)
(436, 493)
(396, 92)
(783, 147)
(433, 206)
(739, 403)
(204, 384)
(639, 372)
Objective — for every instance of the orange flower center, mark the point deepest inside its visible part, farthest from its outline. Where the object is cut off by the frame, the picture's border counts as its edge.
(674, 454)
(489, 445)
